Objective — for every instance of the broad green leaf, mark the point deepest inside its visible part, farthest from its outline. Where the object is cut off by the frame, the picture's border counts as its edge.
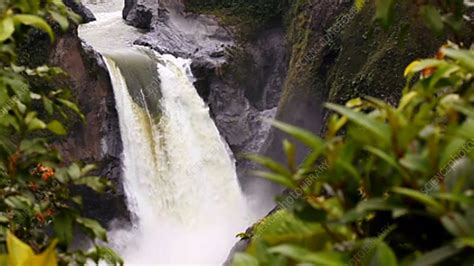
(96, 183)
(306, 256)
(71, 106)
(444, 71)
(378, 128)
(36, 124)
(93, 228)
(36, 22)
(407, 99)
(7, 27)
(18, 202)
(379, 253)
(418, 66)
(304, 136)
(60, 19)
(33, 146)
(56, 127)
(459, 198)
(270, 164)
(277, 178)
(74, 171)
(420, 197)
(107, 254)
(63, 227)
(436, 256)
(464, 57)
(48, 105)
(86, 169)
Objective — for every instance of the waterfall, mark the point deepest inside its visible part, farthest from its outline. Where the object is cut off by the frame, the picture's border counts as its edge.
(179, 177)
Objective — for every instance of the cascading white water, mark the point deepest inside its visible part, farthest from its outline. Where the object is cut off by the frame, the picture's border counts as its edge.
(179, 178)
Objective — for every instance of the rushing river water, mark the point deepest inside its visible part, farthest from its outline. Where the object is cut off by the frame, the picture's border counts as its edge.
(179, 176)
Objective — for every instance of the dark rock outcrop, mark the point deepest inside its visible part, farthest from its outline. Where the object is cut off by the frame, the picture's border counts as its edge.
(140, 17)
(81, 10)
(97, 140)
(172, 30)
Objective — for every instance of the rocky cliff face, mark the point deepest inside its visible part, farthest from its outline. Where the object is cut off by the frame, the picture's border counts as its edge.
(97, 140)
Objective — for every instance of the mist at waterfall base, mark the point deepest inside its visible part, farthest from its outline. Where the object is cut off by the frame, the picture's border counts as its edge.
(178, 173)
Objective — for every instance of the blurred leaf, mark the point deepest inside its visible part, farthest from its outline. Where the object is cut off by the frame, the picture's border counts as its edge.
(304, 136)
(270, 164)
(384, 11)
(379, 253)
(242, 259)
(63, 227)
(277, 178)
(7, 27)
(36, 22)
(420, 197)
(71, 106)
(48, 105)
(432, 18)
(379, 129)
(93, 228)
(18, 202)
(464, 57)
(436, 256)
(56, 127)
(74, 171)
(60, 19)
(290, 152)
(94, 182)
(306, 256)
(107, 254)
(36, 124)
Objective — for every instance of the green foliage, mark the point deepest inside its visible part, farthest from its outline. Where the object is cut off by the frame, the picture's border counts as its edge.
(36, 203)
(397, 186)
(439, 16)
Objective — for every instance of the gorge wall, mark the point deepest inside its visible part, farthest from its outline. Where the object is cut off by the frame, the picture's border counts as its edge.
(286, 69)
